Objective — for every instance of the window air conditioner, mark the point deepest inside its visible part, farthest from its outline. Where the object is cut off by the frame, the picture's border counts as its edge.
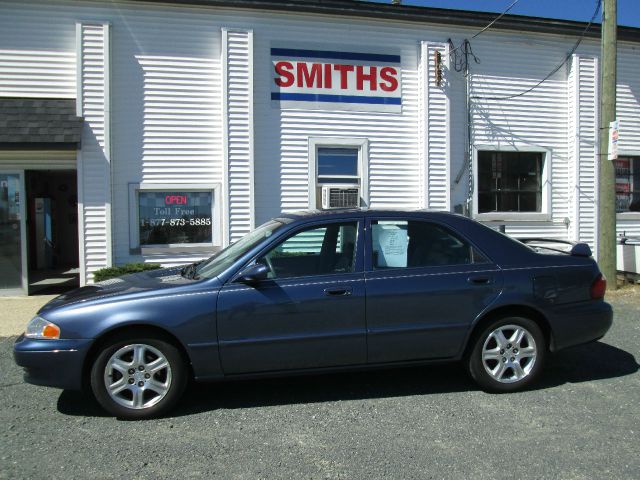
(340, 196)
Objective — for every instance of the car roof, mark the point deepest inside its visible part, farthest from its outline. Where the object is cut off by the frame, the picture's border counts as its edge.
(339, 212)
(502, 249)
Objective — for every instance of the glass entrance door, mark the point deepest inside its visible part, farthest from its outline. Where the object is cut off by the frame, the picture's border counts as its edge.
(10, 232)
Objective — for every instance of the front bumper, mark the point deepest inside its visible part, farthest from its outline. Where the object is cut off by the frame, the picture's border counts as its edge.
(577, 324)
(52, 363)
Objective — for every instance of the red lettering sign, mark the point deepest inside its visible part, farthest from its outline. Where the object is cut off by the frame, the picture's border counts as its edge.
(344, 74)
(388, 76)
(175, 200)
(371, 77)
(284, 69)
(309, 75)
(349, 77)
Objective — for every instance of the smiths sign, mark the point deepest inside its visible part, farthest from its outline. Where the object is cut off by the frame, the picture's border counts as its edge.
(329, 80)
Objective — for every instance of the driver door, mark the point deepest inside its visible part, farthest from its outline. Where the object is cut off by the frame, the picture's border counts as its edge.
(309, 313)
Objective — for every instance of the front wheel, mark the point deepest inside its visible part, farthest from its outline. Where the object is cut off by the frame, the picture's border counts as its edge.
(507, 355)
(137, 378)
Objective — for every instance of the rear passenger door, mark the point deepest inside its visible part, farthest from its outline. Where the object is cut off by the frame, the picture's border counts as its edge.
(425, 285)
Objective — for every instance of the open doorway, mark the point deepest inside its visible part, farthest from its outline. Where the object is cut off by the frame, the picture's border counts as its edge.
(52, 231)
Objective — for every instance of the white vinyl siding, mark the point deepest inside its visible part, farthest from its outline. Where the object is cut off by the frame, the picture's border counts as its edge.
(535, 121)
(282, 135)
(37, 51)
(437, 128)
(628, 113)
(238, 87)
(583, 102)
(167, 114)
(168, 109)
(94, 168)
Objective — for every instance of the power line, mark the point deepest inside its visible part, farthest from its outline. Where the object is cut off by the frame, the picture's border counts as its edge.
(496, 19)
(461, 60)
(552, 72)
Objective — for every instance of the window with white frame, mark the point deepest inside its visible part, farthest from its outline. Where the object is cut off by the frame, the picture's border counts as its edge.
(338, 165)
(511, 182)
(169, 216)
(627, 184)
(175, 217)
(338, 171)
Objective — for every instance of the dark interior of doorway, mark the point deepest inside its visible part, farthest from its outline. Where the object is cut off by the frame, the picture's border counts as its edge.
(52, 231)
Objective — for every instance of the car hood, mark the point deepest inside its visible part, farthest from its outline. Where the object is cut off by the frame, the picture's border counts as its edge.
(136, 283)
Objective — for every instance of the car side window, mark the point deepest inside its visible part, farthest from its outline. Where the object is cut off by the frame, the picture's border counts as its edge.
(322, 250)
(409, 244)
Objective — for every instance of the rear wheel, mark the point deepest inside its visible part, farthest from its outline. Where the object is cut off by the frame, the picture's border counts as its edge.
(507, 355)
(138, 378)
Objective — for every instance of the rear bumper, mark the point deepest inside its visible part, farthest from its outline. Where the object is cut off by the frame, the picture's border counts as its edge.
(52, 363)
(577, 324)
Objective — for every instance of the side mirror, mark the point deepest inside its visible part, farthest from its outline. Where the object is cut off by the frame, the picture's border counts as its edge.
(253, 273)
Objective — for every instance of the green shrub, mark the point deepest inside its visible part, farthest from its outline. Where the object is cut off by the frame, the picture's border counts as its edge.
(111, 272)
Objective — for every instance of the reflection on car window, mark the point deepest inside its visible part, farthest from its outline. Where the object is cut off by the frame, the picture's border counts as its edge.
(408, 244)
(316, 251)
(217, 264)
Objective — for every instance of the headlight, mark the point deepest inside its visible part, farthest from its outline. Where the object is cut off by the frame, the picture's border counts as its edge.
(38, 327)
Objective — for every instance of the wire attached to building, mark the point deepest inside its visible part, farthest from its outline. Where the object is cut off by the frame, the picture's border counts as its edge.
(558, 67)
(460, 56)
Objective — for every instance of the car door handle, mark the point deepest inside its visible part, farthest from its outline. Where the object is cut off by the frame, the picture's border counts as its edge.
(338, 291)
(480, 280)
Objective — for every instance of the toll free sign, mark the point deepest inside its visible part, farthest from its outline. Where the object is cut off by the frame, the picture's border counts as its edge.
(167, 218)
(333, 80)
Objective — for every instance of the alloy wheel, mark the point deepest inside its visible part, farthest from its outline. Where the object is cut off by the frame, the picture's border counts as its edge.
(509, 353)
(137, 376)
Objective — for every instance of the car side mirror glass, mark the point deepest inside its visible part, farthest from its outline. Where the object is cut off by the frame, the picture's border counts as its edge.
(253, 273)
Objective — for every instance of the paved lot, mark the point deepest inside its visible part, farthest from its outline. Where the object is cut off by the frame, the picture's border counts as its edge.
(582, 421)
(15, 312)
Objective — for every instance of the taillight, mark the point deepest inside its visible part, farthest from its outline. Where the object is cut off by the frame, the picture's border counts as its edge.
(598, 287)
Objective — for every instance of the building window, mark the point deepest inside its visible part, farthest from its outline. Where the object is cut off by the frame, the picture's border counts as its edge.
(510, 181)
(338, 165)
(174, 217)
(627, 184)
(166, 219)
(338, 172)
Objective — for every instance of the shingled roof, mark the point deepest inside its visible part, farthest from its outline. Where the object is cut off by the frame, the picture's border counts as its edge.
(39, 121)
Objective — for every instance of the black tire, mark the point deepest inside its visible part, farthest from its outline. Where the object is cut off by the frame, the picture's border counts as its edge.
(170, 381)
(505, 365)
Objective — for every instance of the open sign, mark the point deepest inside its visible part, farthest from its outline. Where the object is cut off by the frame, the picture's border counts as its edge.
(175, 200)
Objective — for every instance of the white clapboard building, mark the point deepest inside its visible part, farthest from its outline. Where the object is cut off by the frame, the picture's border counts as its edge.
(160, 131)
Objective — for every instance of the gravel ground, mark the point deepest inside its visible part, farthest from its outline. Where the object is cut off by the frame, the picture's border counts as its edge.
(581, 421)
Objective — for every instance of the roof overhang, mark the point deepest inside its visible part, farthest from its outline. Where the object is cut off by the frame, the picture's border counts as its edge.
(39, 123)
(408, 13)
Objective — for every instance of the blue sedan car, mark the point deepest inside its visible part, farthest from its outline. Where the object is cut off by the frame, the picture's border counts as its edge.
(321, 291)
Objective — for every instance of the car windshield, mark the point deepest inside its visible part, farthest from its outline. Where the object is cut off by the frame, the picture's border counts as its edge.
(217, 264)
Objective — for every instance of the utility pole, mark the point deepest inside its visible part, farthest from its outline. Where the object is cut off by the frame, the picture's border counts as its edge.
(606, 170)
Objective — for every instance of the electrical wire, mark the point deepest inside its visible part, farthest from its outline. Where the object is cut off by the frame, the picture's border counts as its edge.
(460, 56)
(454, 49)
(558, 67)
(496, 19)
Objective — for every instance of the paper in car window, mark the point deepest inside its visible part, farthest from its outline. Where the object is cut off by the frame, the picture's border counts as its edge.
(390, 240)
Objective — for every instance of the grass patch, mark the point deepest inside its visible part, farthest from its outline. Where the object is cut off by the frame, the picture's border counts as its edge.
(112, 272)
